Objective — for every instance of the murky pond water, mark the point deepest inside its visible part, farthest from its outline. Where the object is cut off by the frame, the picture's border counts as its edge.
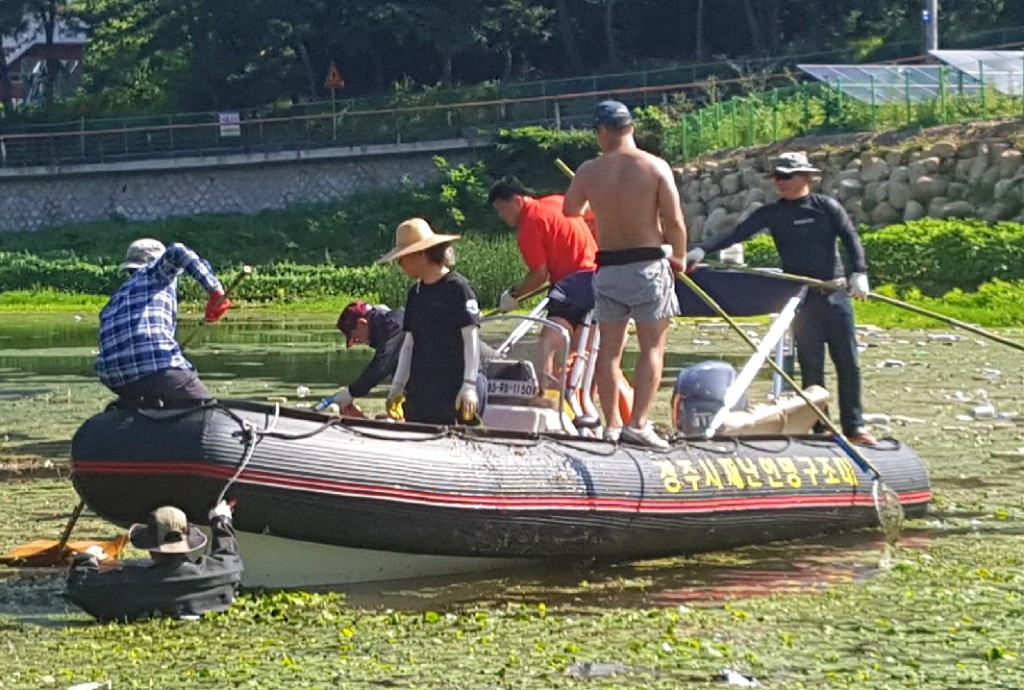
(920, 390)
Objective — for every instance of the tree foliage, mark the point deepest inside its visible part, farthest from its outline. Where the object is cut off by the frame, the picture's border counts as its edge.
(210, 54)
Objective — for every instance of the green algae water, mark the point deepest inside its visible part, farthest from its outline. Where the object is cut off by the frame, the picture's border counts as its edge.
(945, 610)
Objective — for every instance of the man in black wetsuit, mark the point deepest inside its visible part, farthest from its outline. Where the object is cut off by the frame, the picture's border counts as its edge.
(381, 329)
(171, 582)
(805, 227)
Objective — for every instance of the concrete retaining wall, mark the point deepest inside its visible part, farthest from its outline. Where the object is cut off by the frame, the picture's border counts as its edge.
(32, 198)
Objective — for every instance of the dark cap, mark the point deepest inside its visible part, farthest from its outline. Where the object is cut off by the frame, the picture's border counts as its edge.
(612, 114)
(349, 318)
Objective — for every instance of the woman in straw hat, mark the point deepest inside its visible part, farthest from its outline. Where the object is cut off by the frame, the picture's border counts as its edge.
(440, 357)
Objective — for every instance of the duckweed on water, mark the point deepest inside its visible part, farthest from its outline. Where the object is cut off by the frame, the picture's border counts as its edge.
(945, 611)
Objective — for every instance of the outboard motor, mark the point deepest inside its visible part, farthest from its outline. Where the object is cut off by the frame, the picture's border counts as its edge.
(699, 394)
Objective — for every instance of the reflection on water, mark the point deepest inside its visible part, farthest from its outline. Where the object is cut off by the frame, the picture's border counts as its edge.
(708, 579)
(284, 351)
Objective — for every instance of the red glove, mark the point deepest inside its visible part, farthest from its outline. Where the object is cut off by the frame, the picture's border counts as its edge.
(216, 306)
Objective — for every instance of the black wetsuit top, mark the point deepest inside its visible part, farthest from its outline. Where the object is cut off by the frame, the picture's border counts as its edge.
(805, 232)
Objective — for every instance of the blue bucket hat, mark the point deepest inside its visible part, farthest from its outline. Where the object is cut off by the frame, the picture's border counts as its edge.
(612, 114)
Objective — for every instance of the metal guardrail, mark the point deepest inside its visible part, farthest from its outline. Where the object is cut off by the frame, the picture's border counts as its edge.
(344, 127)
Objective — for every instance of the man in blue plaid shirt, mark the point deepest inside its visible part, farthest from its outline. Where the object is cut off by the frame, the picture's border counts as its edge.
(140, 359)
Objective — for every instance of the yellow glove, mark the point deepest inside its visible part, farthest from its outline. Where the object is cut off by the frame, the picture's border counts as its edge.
(394, 406)
(467, 402)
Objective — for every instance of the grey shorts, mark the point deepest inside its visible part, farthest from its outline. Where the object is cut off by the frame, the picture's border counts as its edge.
(644, 290)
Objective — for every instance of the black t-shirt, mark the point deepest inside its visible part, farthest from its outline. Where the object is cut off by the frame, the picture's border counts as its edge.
(435, 314)
(805, 232)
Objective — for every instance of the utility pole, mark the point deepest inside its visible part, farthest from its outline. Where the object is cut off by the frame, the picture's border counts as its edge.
(930, 24)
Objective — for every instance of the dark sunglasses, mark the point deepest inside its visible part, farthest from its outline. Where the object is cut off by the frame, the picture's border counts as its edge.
(783, 175)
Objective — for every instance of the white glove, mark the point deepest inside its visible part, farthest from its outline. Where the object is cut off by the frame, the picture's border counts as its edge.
(342, 399)
(221, 510)
(694, 257)
(508, 302)
(467, 401)
(859, 286)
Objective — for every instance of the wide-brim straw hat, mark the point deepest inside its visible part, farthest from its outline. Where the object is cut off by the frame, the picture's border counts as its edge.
(167, 530)
(414, 235)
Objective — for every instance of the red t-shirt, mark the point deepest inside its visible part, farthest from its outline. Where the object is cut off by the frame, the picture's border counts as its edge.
(547, 237)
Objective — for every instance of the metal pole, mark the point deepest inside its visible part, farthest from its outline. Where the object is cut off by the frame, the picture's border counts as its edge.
(930, 24)
(942, 93)
(906, 89)
(981, 81)
(872, 101)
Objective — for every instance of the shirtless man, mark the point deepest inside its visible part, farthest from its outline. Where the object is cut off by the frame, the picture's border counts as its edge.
(634, 197)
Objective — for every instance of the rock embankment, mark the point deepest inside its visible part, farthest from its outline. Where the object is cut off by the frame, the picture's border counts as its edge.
(945, 172)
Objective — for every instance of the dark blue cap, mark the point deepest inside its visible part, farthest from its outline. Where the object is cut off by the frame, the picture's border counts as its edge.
(612, 114)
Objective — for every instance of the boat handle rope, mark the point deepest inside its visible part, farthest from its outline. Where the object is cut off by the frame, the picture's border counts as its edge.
(251, 436)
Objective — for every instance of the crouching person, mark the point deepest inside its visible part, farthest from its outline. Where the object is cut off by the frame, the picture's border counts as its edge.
(172, 582)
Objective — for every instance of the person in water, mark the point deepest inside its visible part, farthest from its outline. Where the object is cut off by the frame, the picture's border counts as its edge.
(172, 582)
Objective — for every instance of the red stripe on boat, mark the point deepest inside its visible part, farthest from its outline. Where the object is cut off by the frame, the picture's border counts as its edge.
(608, 504)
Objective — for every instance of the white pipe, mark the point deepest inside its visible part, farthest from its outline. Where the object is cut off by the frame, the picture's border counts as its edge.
(738, 387)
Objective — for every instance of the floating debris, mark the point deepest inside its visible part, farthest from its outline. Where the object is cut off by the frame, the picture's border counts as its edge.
(1008, 454)
(877, 418)
(886, 363)
(302, 391)
(699, 342)
(983, 411)
(900, 419)
(944, 338)
(596, 669)
(987, 374)
(738, 679)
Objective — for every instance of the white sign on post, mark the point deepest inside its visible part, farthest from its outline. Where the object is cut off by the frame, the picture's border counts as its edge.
(230, 124)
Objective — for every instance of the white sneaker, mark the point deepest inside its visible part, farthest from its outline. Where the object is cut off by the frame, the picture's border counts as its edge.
(646, 436)
(612, 433)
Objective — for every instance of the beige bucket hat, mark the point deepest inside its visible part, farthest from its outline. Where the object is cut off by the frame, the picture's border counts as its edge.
(414, 235)
(167, 530)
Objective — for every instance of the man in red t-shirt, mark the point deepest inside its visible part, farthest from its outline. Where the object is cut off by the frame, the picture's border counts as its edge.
(557, 249)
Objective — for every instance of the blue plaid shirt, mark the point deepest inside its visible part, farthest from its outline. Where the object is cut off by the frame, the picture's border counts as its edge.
(137, 325)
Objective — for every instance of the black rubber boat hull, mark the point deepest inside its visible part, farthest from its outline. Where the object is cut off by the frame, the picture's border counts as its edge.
(414, 489)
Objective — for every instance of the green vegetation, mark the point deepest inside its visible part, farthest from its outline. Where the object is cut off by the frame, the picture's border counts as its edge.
(165, 56)
(324, 252)
(758, 116)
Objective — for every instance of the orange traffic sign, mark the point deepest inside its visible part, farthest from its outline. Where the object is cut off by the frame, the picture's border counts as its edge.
(334, 79)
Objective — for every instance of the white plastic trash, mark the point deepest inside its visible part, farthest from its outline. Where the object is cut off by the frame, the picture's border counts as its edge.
(983, 411)
(944, 338)
(302, 391)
